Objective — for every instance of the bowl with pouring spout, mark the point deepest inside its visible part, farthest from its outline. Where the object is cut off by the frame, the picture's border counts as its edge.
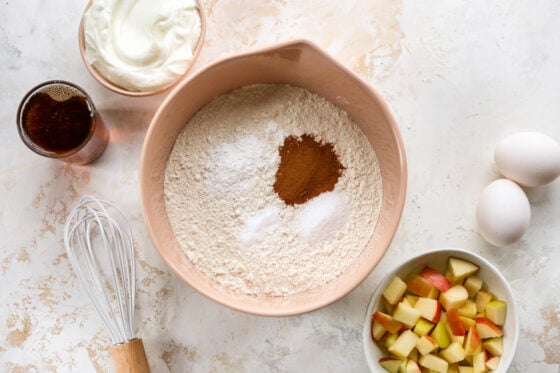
(301, 64)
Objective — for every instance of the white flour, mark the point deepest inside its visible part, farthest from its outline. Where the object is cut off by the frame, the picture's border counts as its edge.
(224, 211)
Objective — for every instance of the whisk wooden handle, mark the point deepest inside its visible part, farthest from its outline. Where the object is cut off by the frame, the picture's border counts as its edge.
(130, 357)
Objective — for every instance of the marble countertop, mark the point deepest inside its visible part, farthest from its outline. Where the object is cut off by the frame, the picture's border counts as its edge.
(458, 75)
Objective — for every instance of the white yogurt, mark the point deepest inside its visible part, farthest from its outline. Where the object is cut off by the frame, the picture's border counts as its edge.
(141, 45)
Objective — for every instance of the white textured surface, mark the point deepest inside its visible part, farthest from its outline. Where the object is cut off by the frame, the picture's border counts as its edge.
(459, 76)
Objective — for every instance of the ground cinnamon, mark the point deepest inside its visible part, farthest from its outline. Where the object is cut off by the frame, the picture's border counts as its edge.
(307, 168)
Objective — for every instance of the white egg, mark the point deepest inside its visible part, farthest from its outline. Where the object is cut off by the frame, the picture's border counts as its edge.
(528, 158)
(503, 212)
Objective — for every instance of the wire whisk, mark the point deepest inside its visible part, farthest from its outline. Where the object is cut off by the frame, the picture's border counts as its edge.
(99, 244)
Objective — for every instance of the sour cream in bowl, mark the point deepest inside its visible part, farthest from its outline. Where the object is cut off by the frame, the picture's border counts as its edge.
(140, 47)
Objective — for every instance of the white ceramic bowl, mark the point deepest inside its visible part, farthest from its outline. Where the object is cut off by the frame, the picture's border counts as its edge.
(437, 259)
(123, 91)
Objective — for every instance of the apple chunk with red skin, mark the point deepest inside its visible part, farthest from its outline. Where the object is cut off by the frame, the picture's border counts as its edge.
(377, 330)
(435, 278)
(454, 323)
(430, 309)
(391, 364)
(418, 285)
(493, 363)
(387, 321)
(487, 329)
(426, 344)
(472, 342)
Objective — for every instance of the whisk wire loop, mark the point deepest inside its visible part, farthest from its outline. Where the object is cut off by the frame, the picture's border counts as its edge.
(101, 250)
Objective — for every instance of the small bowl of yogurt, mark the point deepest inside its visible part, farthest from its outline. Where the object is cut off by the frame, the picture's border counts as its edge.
(143, 47)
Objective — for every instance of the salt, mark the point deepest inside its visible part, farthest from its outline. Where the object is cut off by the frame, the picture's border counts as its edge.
(257, 226)
(323, 217)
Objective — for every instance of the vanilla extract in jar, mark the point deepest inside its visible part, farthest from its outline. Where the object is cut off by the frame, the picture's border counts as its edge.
(57, 119)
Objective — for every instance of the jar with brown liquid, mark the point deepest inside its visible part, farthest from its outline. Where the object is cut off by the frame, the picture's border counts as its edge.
(57, 119)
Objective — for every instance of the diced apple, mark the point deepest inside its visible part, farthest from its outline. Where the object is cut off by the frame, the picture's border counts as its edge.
(472, 342)
(448, 275)
(468, 309)
(455, 297)
(453, 353)
(412, 367)
(461, 268)
(395, 290)
(467, 322)
(413, 355)
(493, 363)
(434, 362)
(406, 314)
(387, 321)
(482, 299)
(388, 307)
(457, 339)
(494, 345)
(426, 344)
(423, 327)
(390, 364)
(377, 330)
(440, 335)
(454, 323)
(473, 284)
(418, 285)
(390, 339)
(496, 312)
(430, 309)
(487, 329)
(435, 278)
(405, 301)
(412, 299)
(479, 362)
(453, 368)
(434, 323)
(405, 342)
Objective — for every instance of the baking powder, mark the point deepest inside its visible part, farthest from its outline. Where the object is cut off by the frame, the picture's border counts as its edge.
(225, 213)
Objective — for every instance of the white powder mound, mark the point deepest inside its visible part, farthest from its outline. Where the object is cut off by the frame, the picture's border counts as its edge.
(320, 217)
(259, 225)
(224, 211)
